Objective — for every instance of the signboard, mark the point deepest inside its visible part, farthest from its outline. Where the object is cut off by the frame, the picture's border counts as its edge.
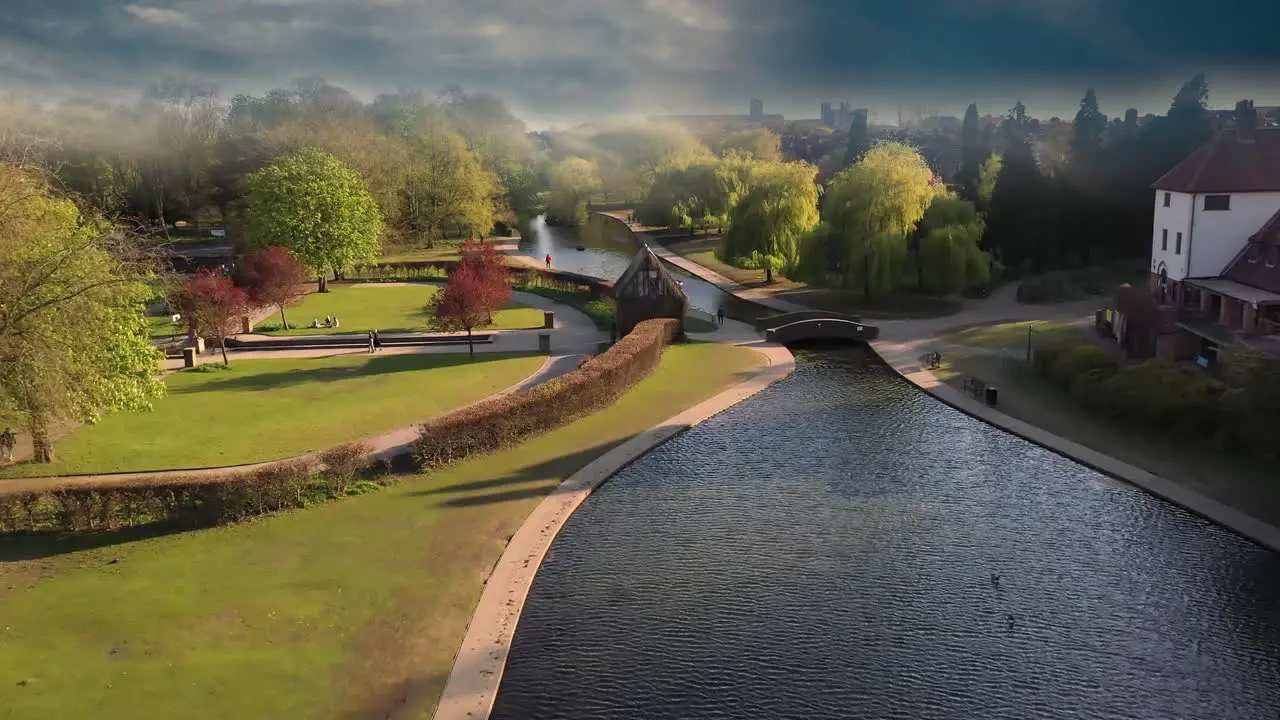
(218, 233)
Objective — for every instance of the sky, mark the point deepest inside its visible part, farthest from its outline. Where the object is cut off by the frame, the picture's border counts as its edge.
(561, 61)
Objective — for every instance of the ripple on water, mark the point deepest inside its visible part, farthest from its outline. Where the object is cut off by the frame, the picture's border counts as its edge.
(825, 550)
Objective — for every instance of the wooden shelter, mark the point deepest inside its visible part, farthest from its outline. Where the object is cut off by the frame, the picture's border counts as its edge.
(646, 290)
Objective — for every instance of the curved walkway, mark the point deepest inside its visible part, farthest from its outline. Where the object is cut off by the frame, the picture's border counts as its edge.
(902, 342)
(473, 684)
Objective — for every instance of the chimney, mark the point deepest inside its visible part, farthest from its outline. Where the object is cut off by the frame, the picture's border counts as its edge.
(1246, 121)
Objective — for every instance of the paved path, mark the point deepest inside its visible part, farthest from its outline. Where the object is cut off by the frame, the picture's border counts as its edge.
(477, 670)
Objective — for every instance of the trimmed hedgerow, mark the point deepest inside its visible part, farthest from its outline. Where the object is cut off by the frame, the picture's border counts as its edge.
(512, 419)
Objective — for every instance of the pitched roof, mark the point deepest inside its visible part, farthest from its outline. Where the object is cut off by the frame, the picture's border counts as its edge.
(635, 280)
(1227, 163)
(1258, 263)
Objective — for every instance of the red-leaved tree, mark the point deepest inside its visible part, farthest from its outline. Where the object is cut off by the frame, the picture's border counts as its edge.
(491, 267)
(464, 304)
(212, 304)
(274, 278)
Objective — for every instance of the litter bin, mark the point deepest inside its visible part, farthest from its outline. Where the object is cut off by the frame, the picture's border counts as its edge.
(544, 343)
(188, 357)
(548, 320)
(991, 395)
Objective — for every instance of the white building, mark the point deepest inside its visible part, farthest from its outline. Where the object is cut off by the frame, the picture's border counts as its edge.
(1215, 242)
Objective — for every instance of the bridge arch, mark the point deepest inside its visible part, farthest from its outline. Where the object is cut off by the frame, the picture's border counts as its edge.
(823, 328)
(774, 321)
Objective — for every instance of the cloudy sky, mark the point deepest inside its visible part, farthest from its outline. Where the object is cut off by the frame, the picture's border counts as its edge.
(562, 60)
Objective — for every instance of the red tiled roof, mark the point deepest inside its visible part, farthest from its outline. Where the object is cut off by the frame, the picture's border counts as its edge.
(1250, 266)
(1227, 164)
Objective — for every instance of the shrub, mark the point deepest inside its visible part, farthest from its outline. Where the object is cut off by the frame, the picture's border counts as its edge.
(1076, 360)
(343, 463)
(511, 419)
(1166, 396)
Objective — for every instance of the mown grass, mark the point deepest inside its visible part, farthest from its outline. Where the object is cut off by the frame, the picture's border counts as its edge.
(1012, 335)
(361, 307)
(342, 610)
(261, 410)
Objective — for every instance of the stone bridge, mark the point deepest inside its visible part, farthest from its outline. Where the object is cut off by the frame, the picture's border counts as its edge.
(815, 325)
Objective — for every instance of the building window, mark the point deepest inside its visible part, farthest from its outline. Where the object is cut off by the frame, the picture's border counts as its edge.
(1168, 197)
(1254, 253)
(1272, 253)
(1177, 248)
(1164, 239)
(1217, 202)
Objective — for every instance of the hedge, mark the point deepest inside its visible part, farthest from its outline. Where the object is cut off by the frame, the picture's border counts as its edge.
(512, 419)
(184, 500)
(194, 501)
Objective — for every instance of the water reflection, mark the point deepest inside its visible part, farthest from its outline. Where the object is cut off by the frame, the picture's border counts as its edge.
(825, 550)
(607, 249)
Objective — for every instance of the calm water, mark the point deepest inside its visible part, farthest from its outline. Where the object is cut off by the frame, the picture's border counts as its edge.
(607, 250)
(825, 550)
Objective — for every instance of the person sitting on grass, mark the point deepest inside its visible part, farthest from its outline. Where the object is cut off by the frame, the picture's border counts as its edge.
(314, 323)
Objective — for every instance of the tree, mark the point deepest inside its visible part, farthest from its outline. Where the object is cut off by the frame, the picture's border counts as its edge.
(73, 343)
(465, 303)
(1089, 127)
(948, 258)
(572, 180)
(871, 209)
(491, 267)
(987, 180)
(859, 138)
(448, 186)
(273, 278)
(973, 153)
(317, 207)
(766, 225)
(760, 144)
(213, 304)
(1017, 227)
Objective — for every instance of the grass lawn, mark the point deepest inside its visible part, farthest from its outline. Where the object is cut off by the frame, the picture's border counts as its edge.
(361, 307)
(163, 326)
(1243, 483)
(268, 409)
(442, 251)
(340, 610)
(1012, 335)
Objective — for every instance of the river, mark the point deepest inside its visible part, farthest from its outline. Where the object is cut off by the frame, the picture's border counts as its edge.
(606, 251)
(844, 546)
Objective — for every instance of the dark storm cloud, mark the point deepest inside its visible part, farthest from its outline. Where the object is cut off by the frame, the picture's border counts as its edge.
(575, 57)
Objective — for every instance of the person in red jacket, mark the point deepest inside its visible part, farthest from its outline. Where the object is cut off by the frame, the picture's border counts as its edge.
(548, 261)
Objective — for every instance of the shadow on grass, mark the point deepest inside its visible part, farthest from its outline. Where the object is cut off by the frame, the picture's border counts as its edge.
(547, 474)
(20, 547)
(408, 698)
(376, 365)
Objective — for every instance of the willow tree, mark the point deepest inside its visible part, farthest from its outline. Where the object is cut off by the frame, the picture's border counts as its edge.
(767, 224)
(317, 207)
(760, 144)
(73, 343)
(871, 209)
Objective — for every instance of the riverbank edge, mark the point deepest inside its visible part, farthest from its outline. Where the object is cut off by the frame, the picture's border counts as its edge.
(905, 362)
(902, 358)
(472, 686)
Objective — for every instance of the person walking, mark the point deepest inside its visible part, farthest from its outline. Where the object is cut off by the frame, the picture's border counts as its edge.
(377, 341)
(720, 316)
(548, 261)
(370, 341)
